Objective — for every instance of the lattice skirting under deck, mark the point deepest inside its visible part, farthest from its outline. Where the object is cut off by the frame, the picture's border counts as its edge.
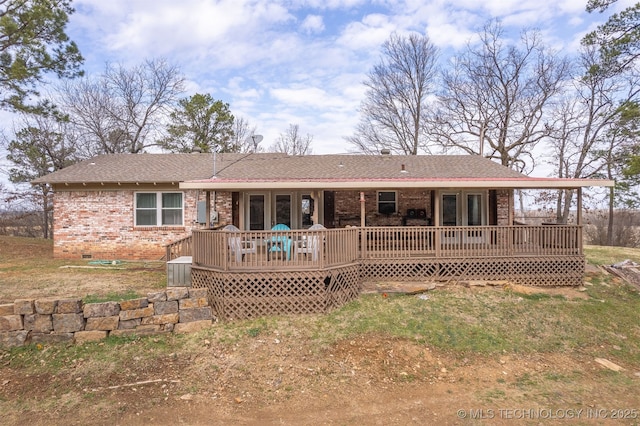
(533, 271)
(238, 295)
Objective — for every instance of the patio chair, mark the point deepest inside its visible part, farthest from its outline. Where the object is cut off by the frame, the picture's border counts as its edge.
(238, 247)
(312, 244)
(280, 243)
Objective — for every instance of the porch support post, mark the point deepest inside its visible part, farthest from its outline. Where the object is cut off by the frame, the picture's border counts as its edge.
(208, 209)
(579, 207)
(436, 221)
(316, 207)
(579, 221)
(362, 210)
(512, 202)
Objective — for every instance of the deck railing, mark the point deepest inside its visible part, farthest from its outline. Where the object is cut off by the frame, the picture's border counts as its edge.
(318, 249)
(179, 248)
(475, 241)
(273, 250)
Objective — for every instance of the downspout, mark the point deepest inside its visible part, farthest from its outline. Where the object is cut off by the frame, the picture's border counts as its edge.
(207, 210)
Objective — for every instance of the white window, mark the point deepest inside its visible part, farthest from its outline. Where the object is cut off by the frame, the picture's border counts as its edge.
(387, 202)
(158, 209)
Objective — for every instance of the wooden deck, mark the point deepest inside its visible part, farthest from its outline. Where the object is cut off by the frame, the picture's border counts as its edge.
(253, 273)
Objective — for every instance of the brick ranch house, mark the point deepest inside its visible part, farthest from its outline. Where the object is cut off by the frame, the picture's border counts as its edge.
(384, 217)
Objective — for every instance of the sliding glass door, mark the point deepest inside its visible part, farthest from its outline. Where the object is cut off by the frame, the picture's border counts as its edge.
(282, 209)
(257, 212)
(265, 209)
(463, 208)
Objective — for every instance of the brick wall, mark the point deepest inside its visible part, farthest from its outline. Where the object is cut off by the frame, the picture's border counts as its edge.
(347, 206)
(504, 207)
(224, 208)
(178, 310)
(99, 224)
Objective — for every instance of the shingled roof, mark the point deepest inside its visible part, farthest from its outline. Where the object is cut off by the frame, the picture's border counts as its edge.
(265, 170)
(143, 168)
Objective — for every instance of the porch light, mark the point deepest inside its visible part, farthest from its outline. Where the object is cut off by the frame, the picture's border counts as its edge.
(403, 170)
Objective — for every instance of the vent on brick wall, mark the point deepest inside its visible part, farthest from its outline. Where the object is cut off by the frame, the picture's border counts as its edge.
(87, 256)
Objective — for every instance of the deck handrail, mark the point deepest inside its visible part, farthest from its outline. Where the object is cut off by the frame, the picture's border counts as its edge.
(466, 241)
(319, 249)
(181, 247)
(290, 249)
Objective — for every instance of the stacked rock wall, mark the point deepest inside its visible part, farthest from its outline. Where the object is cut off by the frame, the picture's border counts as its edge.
(177, 309)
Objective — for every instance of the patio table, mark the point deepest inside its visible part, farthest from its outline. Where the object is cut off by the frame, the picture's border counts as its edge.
(278, 244)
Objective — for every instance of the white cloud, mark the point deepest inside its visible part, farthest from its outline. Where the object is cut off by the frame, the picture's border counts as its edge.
(302, 96)
(164, 27)
(312, 24)
(367, 34)
(328, 4)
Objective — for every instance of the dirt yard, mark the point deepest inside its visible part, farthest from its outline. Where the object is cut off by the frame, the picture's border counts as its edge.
(278, 380)
(277, 372)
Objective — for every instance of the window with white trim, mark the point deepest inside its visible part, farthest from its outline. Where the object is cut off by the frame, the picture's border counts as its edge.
(158, 209)
(387, 202)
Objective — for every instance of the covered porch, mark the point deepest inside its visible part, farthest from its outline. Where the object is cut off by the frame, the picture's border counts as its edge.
(427, 218)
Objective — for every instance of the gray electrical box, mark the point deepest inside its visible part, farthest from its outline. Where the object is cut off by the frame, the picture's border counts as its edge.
(202, 212)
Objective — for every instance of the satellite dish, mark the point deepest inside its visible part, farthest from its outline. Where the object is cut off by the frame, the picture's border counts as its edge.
(255, 139)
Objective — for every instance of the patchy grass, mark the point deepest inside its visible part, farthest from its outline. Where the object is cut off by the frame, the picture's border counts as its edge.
(486, 321)
(603, 255)
(111, 297)
(492, 321)
(28, 269)
(505, 347)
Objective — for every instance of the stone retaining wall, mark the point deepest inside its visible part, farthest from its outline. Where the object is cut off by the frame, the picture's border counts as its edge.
(177, 310)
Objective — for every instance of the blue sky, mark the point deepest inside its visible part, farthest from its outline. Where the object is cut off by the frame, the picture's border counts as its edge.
(299, 62)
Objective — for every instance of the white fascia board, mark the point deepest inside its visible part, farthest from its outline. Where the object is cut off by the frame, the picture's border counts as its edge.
(533, 183)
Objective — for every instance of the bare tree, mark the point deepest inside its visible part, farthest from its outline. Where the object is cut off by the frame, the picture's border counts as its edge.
(122, 110)
(242, 137)
(396, 105)
(495, 96)
(292, 142)
(584, 137)
(89, 107)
